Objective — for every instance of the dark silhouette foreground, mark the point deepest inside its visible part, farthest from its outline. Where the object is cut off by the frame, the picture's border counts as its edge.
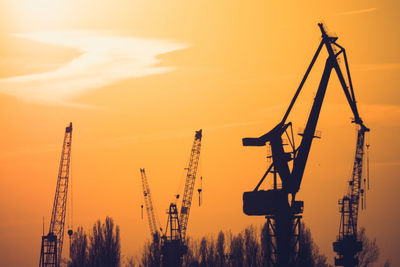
(247, 248)
(100, 249)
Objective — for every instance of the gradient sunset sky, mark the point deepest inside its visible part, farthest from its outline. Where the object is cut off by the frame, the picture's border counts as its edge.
(137, 78)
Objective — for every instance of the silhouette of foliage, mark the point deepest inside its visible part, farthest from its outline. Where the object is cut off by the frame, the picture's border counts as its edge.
(266, 250)
(102, 250)
(152, 252)
(79, 249)
(309, 254)
(220, 250)
(370, 251)
(130, 262)
(203, 252)
(248, 248)
(236, 255)
(251, 247)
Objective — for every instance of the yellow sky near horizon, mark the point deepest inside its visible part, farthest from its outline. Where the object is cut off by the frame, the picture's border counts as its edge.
(234, 77)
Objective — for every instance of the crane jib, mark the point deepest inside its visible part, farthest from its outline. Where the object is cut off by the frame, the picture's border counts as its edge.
(51, 248)
(282, 213)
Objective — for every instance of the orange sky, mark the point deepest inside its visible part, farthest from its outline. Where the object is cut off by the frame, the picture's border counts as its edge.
(137, 78)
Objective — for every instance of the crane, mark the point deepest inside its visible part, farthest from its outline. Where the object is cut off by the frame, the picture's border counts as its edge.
(173, 245)
(149, 204)
(52, 243)
(279, 204)
(189, 184)
(347, 244)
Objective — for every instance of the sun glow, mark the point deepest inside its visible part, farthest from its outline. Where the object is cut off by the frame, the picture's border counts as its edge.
(39, 13)
(104, 59)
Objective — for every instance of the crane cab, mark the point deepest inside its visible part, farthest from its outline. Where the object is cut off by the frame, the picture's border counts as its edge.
(265, 202)
(269, 202)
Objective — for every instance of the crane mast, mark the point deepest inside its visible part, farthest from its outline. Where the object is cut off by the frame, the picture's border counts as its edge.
(149, 204)
(189, 184)
(347, 245)
(52, 243)
(284, 214)
(173, 241)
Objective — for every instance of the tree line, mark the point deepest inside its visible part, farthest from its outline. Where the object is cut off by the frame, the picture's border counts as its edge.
(248, 248)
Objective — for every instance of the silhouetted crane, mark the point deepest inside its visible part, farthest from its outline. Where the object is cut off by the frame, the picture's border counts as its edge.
(52, 243)
(347, 245)
(283, 213)
(149, 204)
(173, 245)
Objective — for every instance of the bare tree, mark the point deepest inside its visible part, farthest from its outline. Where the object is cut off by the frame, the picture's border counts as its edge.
(152, 252)
(105, 249)
(211, 256)
(248, 248)
(220, 249)
(192, 256)
(79, 249)
(130, 262)
(236, 251)
(309, 254)
(370, 251)
(203, 252)
(251, 247)
(266, 249)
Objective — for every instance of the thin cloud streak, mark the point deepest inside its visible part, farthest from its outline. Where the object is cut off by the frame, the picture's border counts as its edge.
(354, 12)
(104, 60)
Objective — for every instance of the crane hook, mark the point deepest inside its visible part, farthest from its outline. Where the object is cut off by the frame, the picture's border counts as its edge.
(200, 189)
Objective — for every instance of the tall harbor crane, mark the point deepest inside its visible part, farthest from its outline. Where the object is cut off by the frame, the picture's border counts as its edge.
(173, 245)
(52, 243)
(149, 204)
(279, 204)
(347, 245)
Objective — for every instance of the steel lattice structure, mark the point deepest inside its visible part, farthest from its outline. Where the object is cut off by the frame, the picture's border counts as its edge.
(189, 184)
(284, 213)
(149, 204)
(51, 248)
(347, 245)
(173, 241)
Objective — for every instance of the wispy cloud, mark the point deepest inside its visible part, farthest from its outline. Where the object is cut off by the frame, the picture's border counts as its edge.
(105, 59)
(359, 11)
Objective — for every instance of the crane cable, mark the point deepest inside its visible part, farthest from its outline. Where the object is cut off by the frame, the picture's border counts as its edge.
(200, 187)
(368, 145)
(71, 205)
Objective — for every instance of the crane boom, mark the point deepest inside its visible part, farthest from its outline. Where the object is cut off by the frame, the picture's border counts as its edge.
(189, 184)
(282, 213)
(347, 245)
(148, 203)
(173, 245)
(355, 190)
(52, 244)
(291, 180)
